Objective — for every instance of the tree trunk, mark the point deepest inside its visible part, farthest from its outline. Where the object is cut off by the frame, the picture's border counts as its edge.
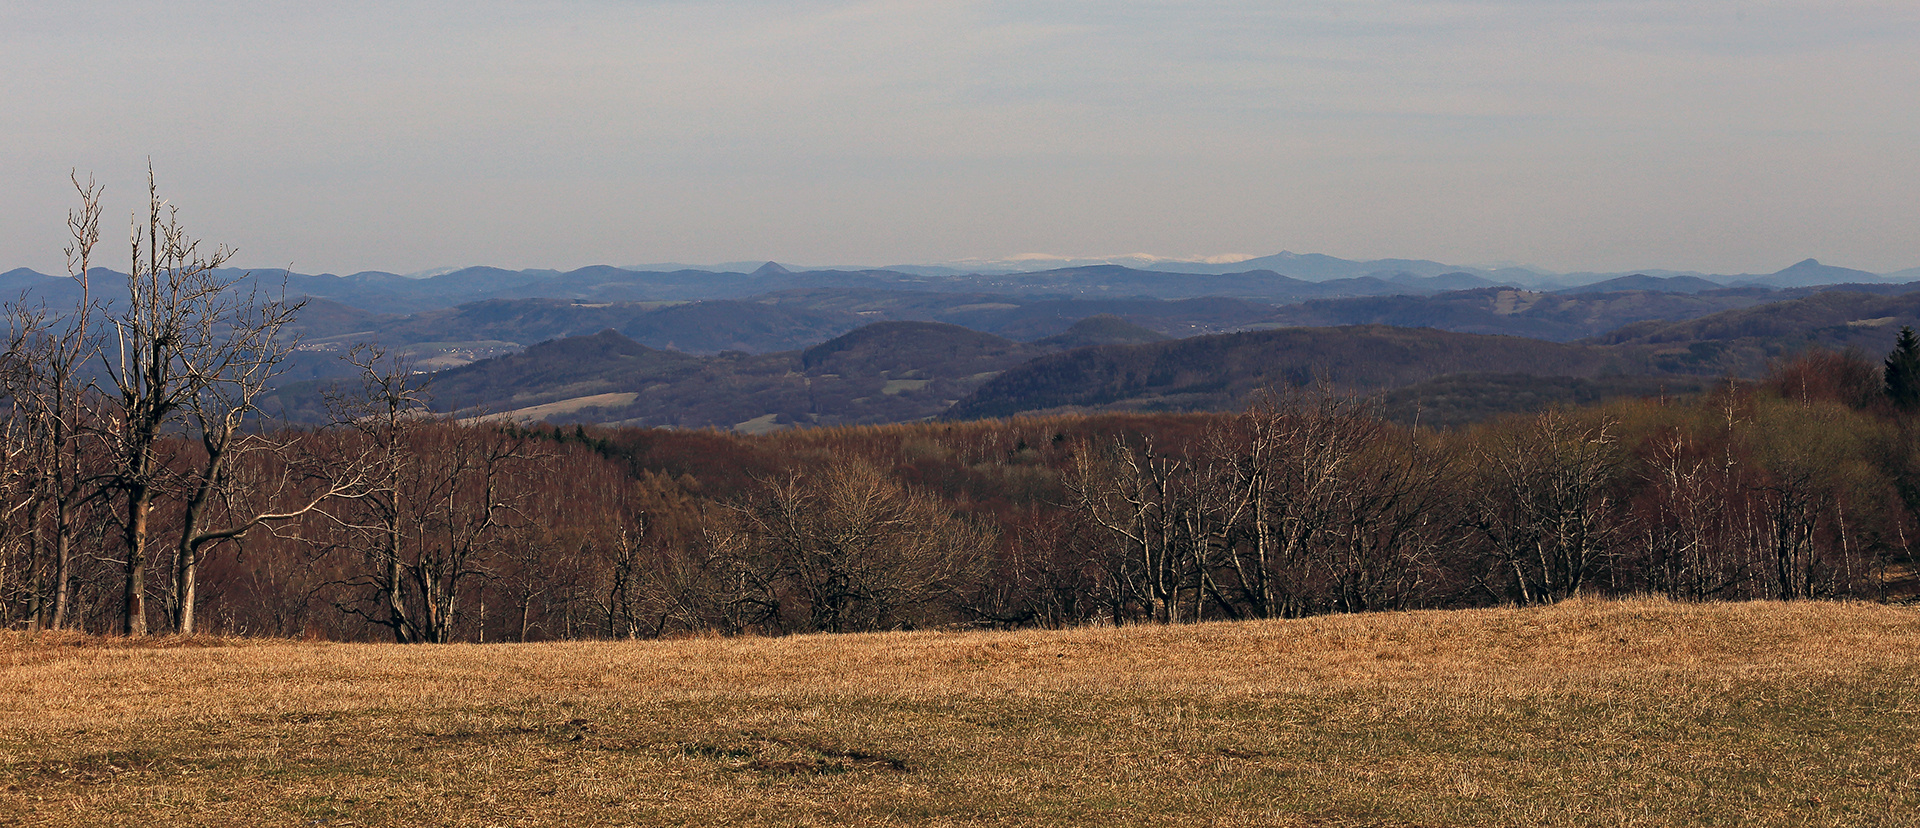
(185, 591)
(134, 600)
(62, 566)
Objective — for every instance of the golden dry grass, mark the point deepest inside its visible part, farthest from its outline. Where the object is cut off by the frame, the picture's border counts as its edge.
(1588, 713)
(572, 405)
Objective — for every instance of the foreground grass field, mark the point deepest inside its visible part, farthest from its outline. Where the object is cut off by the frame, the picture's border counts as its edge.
(1589, 713)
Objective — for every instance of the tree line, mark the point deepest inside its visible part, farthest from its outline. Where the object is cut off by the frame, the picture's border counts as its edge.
(145, 491)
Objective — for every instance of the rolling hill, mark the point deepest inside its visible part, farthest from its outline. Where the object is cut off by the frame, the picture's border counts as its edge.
(1028, 318)
(1641, 281)
(693, 327)
(1558, 317)
(1806, 273)
(1223, 371)
(1743, 341)
(886, 372)
(1103, 329)
(778, 346)
(908, 370)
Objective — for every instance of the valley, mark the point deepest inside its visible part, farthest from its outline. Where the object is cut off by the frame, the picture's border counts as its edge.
(779, 348)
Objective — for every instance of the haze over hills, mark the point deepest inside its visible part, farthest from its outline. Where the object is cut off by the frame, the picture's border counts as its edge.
(1283, 277)
(1464, 376)
(1642, 281)
(1106, 363)
(773, 346)
(786, 320)
(692, 327)
(1560, 316)
(1224, 371)
(1741, 342)
(1316, 267)
(890, 371)
(1031, 317)
(885, 372)
(897, 371)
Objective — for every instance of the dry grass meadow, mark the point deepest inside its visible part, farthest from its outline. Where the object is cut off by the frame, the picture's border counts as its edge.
(1588, 713)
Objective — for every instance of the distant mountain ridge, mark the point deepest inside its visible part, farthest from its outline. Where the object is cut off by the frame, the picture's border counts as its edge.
(1810, 272)
(906, 369)
(1641, 281)
(773, 346)
(1283, 277)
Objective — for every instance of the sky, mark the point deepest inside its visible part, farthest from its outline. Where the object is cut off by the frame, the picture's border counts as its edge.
(1723, 136)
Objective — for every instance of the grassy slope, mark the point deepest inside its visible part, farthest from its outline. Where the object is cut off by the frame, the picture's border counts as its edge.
(1587, 713)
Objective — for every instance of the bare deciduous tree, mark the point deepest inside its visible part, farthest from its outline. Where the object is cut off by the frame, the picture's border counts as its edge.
(1546, 511)
(55, 414)
(189, 348)
(851, 549)
(1691, 533)
(441, 499)
(386, 408)
(1133, 494)
(1306, 444)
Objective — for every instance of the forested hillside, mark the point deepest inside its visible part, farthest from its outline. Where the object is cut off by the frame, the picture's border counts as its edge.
(147, 488)
(457, 318)
(1744, 340)
(1559, 317)
(434, 530)
(1223, 371)
(1445, 369)
(886, 372)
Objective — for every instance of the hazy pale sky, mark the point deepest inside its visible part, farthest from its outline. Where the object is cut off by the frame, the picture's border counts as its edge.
(1716, 135)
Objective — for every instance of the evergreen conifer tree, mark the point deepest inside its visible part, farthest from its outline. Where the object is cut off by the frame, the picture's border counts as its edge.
(1903, 371)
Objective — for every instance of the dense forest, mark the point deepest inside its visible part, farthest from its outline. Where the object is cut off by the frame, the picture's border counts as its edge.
(143, 491)
(397, 526)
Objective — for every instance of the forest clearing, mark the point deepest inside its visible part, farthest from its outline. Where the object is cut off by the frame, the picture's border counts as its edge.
(1589, 712)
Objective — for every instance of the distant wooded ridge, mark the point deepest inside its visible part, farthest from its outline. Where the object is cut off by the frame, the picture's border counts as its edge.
(842, 356)
(748, 349)
(1283, 277)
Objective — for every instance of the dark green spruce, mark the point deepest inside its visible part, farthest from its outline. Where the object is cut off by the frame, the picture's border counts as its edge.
(1903, 371)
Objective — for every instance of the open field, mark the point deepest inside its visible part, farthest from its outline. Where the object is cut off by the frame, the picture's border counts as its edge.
(1589, 713)
(536, 413)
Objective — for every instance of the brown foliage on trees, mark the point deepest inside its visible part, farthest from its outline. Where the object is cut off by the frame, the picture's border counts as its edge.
(846, 548)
